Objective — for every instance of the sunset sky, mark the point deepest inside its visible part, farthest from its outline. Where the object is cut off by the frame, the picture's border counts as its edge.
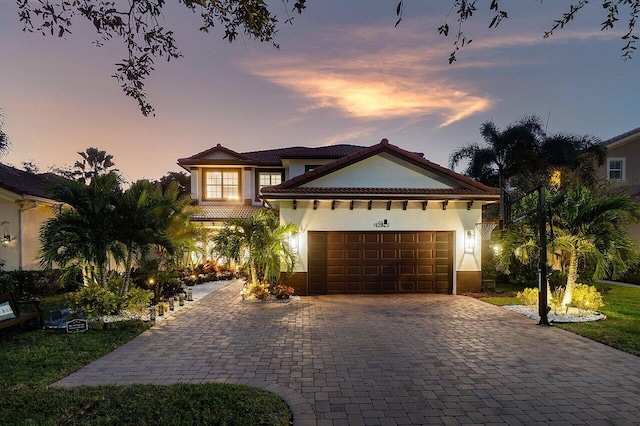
(343, 74)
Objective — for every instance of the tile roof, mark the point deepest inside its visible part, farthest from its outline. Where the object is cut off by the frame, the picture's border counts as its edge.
(26, 183)
(621, 136)
(271, 157)
(468, 186)
(223, 212)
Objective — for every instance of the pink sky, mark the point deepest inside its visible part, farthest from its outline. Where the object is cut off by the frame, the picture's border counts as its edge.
(343, 74)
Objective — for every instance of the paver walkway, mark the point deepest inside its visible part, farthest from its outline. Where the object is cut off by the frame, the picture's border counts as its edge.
(385, 360)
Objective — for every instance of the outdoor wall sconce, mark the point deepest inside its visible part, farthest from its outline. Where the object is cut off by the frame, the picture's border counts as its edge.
(5, 240)
(469, 241)
(294, 242)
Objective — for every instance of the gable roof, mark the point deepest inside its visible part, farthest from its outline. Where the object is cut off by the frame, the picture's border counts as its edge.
(466, 188)
(270, 157)
(23, 183)
(623, 138)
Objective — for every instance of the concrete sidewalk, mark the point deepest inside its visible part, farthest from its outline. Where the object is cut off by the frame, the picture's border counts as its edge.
(385, 360)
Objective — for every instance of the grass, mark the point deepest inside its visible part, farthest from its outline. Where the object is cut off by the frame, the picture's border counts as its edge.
(30, 361)
(620, 330)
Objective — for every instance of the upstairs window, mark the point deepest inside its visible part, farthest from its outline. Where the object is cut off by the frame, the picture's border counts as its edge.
(615, 169)
(268, 179)
(222, 184)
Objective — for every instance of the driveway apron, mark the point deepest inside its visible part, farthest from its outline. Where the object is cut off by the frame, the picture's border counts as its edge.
(384, 360)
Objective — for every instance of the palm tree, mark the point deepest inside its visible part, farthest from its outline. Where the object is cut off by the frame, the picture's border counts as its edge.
(592, 231)
(506, 153)
(83, 235)
(141, 223)
(94, 163)
(523, 155)
(258, 241)
(589, 234)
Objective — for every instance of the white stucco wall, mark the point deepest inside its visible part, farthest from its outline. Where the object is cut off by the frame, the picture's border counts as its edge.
(455, 218)
(24, 240)
(381, 171)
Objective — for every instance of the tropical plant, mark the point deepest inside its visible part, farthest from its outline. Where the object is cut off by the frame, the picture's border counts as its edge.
(143, 215)
(506, 152)
(259, 242)
(593, 229)
(522, 155)
(587, 234)
(82, 235)
(94, 163)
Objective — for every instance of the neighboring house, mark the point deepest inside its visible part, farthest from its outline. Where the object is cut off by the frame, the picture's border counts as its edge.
(24, 206)
(622, 168)
(376, 219)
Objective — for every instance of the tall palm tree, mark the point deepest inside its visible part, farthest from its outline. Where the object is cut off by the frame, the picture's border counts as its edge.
(523, 156)
(84, 234)
(94, 163)
(260, 242)
(505, 154)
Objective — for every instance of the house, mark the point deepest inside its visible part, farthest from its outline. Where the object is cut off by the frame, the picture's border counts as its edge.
(376, 219)
(622, 168)
(24, 206)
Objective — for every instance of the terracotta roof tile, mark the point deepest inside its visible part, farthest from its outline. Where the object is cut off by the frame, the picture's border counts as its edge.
(621, 136)
(223, 212)
(273, 157)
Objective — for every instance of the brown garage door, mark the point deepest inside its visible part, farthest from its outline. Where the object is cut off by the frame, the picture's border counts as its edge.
(380, 262)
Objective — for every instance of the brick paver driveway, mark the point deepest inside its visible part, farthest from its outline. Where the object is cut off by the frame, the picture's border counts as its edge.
(399, 359)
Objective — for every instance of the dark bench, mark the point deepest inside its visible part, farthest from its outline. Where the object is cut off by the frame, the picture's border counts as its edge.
(16, 317)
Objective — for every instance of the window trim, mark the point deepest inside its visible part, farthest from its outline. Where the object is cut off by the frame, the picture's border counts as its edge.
(221, 169)
(623, 168)
(257, 179)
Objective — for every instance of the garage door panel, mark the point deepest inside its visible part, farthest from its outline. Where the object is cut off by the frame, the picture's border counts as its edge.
(425, 254)
(372, 286)
(380, 262)
(389, 286)
(389, 254)
(371, 254)
(353, 254)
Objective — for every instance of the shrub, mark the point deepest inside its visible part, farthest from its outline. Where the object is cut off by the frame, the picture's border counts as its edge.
(34, 284)
(586, 298)
(282, 291)
(529, 296)
(136, 300)
(260, 291)
(94, 301)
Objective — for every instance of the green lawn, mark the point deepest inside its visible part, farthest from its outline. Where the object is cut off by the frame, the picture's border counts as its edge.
(620, 330)
(30, 361)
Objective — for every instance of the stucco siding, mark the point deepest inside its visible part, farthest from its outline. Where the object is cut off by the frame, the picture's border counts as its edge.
(380, 171)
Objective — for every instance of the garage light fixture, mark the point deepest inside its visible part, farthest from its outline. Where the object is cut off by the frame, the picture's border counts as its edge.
(469, 241)
(293, 241)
